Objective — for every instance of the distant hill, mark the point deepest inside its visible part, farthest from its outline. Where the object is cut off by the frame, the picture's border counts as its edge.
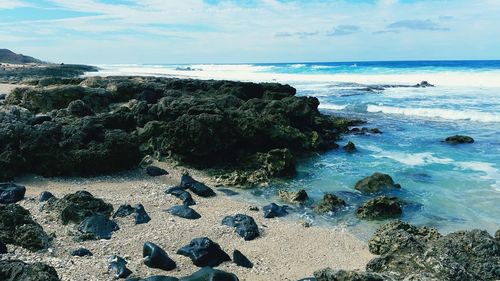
(7, 56)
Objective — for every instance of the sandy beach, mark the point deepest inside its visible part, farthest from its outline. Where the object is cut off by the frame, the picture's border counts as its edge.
(286, 250)
(6, 88)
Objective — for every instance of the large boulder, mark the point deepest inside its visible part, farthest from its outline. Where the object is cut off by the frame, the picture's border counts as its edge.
(204, 252)
(11, 193)
(245, 226)
(376, 183)
(17, 227)
(329, 203)
(382, 207)
(156, 257)
(98, 226)
(76, 207)
(15, 270)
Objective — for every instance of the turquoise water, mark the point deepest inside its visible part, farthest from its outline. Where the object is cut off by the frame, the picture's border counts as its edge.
(450, 187)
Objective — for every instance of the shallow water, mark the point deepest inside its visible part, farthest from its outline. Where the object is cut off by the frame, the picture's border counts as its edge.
(450, 187)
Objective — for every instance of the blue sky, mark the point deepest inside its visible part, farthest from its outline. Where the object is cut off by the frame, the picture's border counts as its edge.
(236, 31)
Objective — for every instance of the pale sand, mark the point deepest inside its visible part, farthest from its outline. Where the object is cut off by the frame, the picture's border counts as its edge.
(6, 88)
(285, 250)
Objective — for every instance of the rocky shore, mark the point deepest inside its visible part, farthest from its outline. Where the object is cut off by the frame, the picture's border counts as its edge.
(116, 200)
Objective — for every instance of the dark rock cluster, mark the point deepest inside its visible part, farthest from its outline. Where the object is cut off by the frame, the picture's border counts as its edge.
(11, 193)
(204, 252)
(245, 226)
(17, 270)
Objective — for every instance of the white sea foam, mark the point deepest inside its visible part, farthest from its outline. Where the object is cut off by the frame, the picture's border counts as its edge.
(489, 171)
(413, 159)
(332, 106)
(449, 114)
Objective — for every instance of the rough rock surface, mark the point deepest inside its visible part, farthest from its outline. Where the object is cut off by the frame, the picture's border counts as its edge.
(204, 252)
(458, 139)
(272, 211)
(17, 227)
(376, 183)
(329, 274)
(15, 270)
(293, 197)
(350, 147)
(11, 193)
(98, 226)
(77, 206)
(413, 253)
(118, 266)
(382, 207)
(184, 211)
(156, 257)
(329, 203)
(81, 252)
(245, 226)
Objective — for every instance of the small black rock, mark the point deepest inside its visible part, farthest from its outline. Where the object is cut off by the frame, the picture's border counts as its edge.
(118, 266)
(11, 193)
(204, 252)
(240, 260)
(459, 139)
(141, 216)
(272, 211)
(184, 212)
(196, 187)
(350, 147)
(44, 196)
(155, 171)
(156, 257)
(124, 211)
(210, 274)
(245, 226)
(183, 195)
(81, 252)
(98, 225)
(155, 278)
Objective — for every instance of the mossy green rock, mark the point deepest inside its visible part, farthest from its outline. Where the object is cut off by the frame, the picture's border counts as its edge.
(76, 207)
(329, 203)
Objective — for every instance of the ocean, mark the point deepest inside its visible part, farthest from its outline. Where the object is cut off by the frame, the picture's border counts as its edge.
(449, 187)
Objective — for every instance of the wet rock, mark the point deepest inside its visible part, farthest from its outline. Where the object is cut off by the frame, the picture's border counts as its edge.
(17, 227)
(11, 193)
(376, 183)
(204, 252)
(382, 207)
(459, 139)
(350, 147)
(124, 211)
(16, 270)
(118, 266)
(39, 119)
(155, 171)
(156, 257)
(45, 196)
(81, 252)
(240, 260)
(183, 195)
(196, 187)
(140, 214)
(329, 274)
(245, 226)
(99, 226)
(210, 274)
(273, 211)
(329, 203)
(375, 131)
(291, 197)
(79, 108)
(423, 84)
(184, 211)
(77, 206)
(3, 248)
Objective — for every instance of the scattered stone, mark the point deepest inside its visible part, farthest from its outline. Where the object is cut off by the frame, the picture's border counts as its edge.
(350, 147)
(81, 252)
(245, 226)
(423, 84)
(99, 226)
(183, 195)
(155, 171)
(376, 183)
(330, 203)
(273, 211)
(3, 248)
(382, 207)
(77, 206)
(11, 193)
(228, 192)
(118, 266)
(204, 252)
(412, 253)
(459, 139)
(291, 197)
(184, 211)
(155, 278)
(375, 131)
(124, 211)
(253, 208)
(240, 260)
(329, 274)
(210, 274)
(156, 257)
(140, 214)
(45, 196)
(17, 227)
(196, 187)
(16, 270)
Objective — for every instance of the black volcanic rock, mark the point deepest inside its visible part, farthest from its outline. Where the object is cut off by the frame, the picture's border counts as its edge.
(156, 257)
(376, 183)
(245, 226)
(183, 195)
(16, 270)
(240, 260)
(329, 203)
(81, 252)
(155, 171)
(118, 266)
(382, 207)
(350, 147)
(204, 252)
(11, 193)
(45, 196)
(3, 248)
(210, 274)
(459, 139)
(272, 211)
(184, 211)
(99, 226)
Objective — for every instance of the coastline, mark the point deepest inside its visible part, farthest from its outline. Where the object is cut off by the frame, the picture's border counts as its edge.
(284, 251)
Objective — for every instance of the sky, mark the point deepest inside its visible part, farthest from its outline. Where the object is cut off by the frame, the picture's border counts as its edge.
(250, 31)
